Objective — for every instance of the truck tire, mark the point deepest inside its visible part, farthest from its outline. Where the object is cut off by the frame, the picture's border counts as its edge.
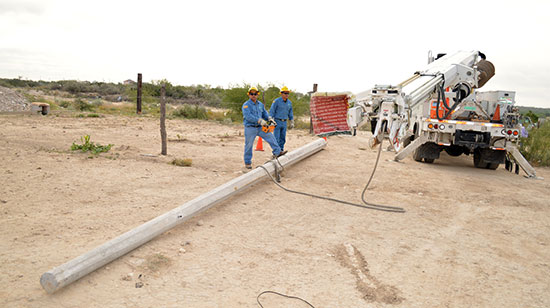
(416, 154)
(492, 166)
(428, 151)
(478, 161)
(406, 142)
(508, 165)
(373, 125)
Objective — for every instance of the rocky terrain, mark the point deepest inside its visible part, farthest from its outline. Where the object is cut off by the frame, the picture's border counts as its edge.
(12, 101)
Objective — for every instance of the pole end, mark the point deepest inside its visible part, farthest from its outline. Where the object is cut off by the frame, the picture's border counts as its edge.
(48, 282)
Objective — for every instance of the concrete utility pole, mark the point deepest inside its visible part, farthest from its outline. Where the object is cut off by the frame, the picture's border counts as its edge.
(77, 268)
(163, 119)
(138, 111)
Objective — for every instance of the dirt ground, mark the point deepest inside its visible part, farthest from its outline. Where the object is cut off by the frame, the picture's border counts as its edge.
(469, 237)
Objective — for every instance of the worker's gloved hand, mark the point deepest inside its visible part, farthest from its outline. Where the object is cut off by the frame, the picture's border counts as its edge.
(270, 119)
(262, 122)
(291, 124)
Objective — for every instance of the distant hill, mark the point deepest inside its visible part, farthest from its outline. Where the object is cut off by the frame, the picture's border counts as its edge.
(544, 112)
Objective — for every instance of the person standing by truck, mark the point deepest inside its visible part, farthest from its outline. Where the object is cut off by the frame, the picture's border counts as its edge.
(281, 111)
(254, 117)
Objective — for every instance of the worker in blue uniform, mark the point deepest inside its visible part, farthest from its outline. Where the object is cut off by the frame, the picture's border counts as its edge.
(254, 117)
(281, 111)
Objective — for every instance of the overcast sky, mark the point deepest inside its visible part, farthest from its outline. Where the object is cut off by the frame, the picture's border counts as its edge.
(341, 45)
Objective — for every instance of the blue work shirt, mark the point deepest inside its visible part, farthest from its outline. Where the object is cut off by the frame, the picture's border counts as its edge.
(281, 110)
(252, 112)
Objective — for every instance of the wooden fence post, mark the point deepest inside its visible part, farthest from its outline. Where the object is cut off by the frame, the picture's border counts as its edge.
(138, 111)
(163, 118)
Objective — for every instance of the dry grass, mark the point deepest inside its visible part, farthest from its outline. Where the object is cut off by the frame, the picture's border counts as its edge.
(156, 262)
(185, 162)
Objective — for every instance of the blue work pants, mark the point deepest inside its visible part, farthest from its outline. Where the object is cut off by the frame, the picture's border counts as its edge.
(280, 133)
(250, 134)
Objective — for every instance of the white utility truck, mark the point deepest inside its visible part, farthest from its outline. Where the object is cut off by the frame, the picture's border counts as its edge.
(440, 108)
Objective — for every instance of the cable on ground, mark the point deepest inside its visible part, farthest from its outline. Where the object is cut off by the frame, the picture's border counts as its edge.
(366, 205)
(280, 294)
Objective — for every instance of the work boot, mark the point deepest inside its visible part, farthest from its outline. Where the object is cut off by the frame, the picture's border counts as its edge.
(280, 154)
(373, 142)
(248, 166)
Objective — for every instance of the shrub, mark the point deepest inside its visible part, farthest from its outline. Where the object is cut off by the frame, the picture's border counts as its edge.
(535, 147)
(234, 99)
(64, 104)
(82, 105)
(301, 124)
(215, 115)
(88, 146)
(89, 115)
(186, 162)
(235, 116)
(97, 102)
(190, 112)
(72, 86)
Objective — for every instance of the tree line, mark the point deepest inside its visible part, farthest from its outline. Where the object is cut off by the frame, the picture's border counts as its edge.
(230, 98)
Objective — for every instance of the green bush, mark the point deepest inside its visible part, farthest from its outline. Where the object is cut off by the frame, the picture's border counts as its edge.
(190, 112)
(234, 98)
(533, 116)
(89, 115)
(536, 147)
(82, 105)
(88, 146)
(72, 86)
(64, 104)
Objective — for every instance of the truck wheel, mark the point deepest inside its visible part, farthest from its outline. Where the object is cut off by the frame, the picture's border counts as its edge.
(416, 154)
(429, 160)
(373, 126)
(492, 166)
(406, 142)
(478, 162)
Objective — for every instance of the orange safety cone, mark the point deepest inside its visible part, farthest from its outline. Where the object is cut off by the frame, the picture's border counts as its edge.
(496, 116)
(259, 145)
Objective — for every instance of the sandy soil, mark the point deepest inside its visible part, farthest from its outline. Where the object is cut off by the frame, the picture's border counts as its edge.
(469, 238)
